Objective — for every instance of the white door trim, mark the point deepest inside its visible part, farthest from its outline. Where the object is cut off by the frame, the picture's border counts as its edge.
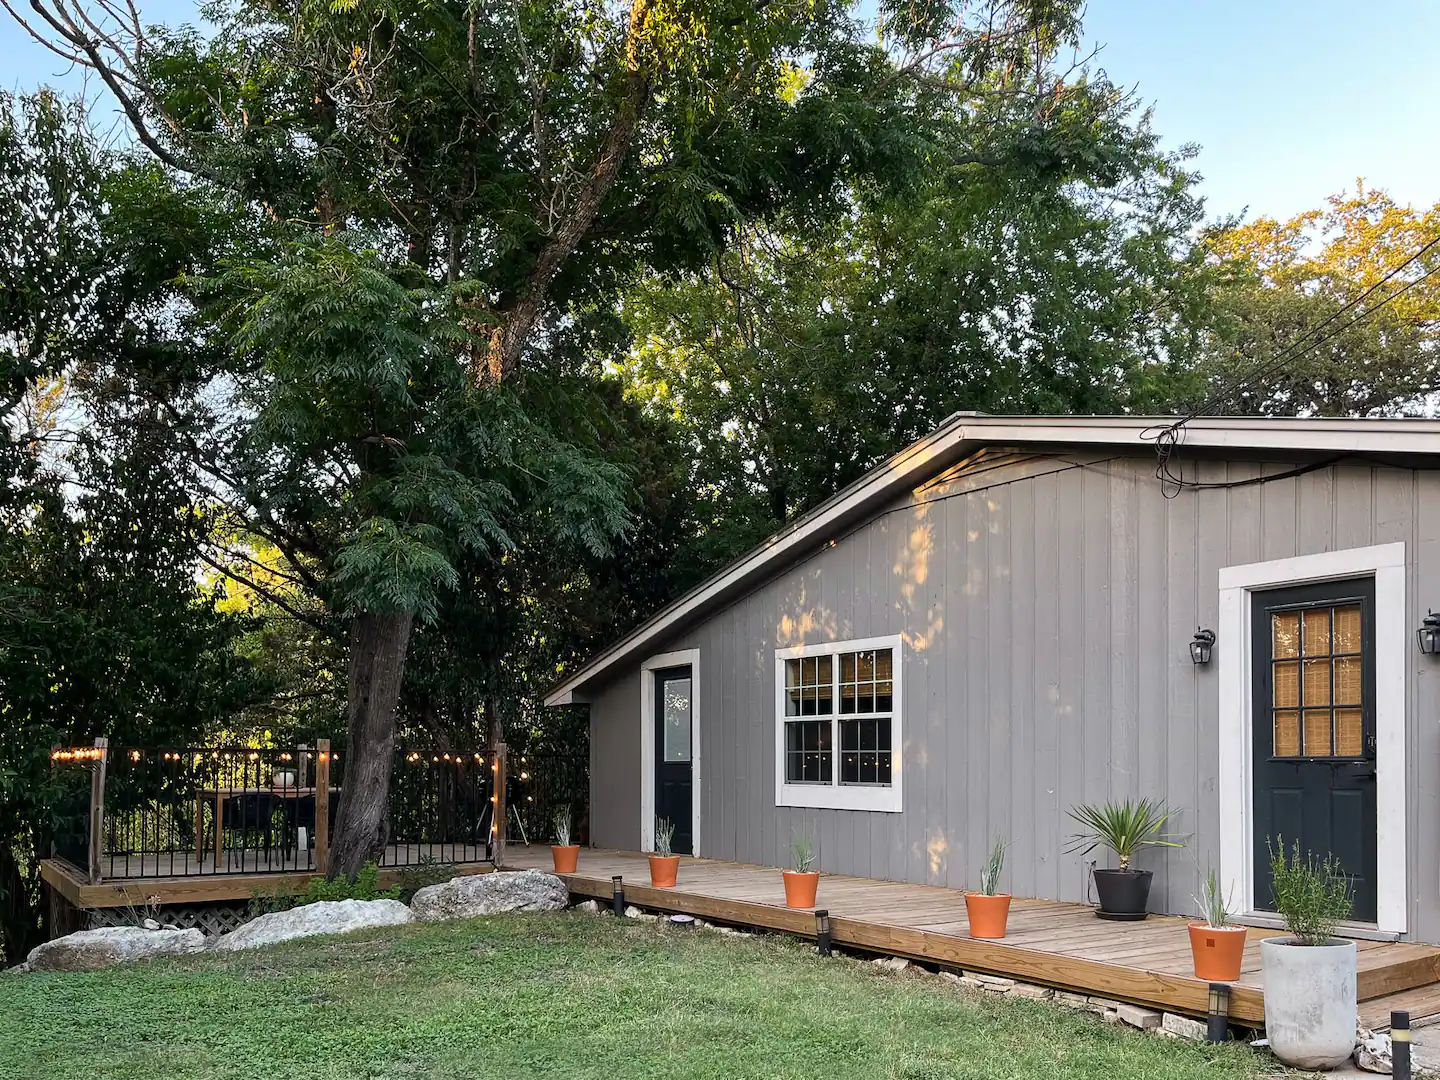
(1386, 563)
(647, 743)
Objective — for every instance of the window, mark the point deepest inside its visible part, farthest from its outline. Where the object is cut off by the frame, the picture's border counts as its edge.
(1318, 668)
(838, 728)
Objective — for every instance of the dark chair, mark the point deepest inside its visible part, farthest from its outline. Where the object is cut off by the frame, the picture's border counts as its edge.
(298, 812)
(250, 812)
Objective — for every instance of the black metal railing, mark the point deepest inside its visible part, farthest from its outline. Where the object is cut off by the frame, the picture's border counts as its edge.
(186, 811)
(193, 811)
(542, 785)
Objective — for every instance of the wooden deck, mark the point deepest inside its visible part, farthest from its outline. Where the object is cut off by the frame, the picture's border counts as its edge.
(181, 878)
(1060, 945)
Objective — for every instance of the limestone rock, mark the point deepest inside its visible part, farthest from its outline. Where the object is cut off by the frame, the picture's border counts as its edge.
(589, 907)
(895, 964)
(91, 950)
(990, 980)
(1183, 1026)
(312, 920)
(490, 894)
(1034, 993)
(1135, 1016)
(1071, 1001)
(1373, 1051)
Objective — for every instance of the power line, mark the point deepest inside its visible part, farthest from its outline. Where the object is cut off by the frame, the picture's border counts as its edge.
(1168, 437)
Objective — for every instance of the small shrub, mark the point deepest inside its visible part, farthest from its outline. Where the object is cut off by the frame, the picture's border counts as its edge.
(1123, 827)
(1311, 895)
(366, 886)
(802, 853)
(994, 866)
(1212, 902)
(664, 834)
(561, 823)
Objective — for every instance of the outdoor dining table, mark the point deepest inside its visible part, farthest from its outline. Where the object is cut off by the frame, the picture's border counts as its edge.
(218, 796)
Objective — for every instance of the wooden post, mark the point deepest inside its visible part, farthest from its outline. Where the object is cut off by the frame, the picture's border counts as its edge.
(322, 805)
(97, 808)
(501, 809)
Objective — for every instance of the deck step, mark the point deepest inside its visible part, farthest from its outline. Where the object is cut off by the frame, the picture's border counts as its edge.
(1395, 968)
(1423, 1004)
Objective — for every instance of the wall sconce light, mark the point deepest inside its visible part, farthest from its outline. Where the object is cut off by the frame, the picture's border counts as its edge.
(1429, 634)
(1201, 646)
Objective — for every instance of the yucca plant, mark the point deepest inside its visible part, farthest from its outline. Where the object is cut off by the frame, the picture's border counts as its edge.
(994, 865)
(802, 853)
(1124, 827)
(664, 834)
(561, 822)
(1212, 902)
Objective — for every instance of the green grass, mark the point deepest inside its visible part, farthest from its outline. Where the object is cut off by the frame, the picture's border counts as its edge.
(556, 996)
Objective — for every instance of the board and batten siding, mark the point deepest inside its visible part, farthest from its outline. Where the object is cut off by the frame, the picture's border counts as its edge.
(1046, 604)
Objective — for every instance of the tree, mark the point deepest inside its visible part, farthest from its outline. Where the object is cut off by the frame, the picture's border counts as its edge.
(428, 190)
(104, 627)
(802, 357)
(1279, 285)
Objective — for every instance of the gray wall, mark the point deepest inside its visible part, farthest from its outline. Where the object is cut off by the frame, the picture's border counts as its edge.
(1047, 606)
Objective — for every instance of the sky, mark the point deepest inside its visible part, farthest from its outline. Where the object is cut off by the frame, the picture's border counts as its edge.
(1290, 100)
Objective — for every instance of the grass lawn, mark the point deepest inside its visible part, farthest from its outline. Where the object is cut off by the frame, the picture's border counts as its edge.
(557, 996)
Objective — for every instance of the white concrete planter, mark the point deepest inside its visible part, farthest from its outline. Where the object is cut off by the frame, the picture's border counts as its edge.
(1309, 1002)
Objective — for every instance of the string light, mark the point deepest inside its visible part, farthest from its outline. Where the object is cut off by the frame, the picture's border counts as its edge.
(81, 753)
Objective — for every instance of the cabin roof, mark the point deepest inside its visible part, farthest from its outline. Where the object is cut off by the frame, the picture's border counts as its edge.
(964, 434)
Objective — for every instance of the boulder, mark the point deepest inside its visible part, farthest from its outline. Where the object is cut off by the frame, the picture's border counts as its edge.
(311, 920)
(91, 950)
(490, 894)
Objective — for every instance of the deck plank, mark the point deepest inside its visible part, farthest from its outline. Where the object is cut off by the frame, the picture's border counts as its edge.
(1049, 942)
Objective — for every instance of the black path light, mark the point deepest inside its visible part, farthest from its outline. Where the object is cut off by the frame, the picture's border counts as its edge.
(1201, 646)
(1429, 634)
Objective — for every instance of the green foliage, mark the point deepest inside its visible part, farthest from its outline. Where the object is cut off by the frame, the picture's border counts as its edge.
(1311, 896)
(1212, 902)
(1124, 827)
(994, 866)
(560, 823)
(1276, 286)
(364, 886)
(664, 834)
(409, 1000)
(802, 852)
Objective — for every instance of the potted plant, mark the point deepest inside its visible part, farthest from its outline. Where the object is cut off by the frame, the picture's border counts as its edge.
(565, 854)
(664, 866)
(1217, 946)
(988, 910)
(1310, 1007)
(801, 881)
(1124, 827)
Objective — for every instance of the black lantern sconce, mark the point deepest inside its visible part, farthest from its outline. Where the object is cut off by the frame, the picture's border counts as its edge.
(1202, 645)
(1429, 634)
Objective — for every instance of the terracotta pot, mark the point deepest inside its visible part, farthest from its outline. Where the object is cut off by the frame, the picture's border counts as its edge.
(987, 914)
(566, 856)
(800, 888)
(1217, 951)
(663, 869)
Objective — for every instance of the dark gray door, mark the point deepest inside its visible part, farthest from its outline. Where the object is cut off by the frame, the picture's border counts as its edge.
(1314, 730)
(674, 754)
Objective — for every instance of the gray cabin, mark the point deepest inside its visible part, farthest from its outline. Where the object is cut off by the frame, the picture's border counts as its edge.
(995, 625)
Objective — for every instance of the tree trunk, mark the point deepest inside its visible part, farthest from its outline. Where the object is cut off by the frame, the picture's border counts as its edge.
(378, 644)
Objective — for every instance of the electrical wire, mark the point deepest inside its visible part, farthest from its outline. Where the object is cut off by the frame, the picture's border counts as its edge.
(1169, 437)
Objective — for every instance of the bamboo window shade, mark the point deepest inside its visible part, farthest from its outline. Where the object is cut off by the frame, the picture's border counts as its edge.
(1318, 672)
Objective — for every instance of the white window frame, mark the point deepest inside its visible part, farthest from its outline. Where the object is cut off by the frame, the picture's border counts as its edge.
(1386, 564)
(887, 799)
(684, 658)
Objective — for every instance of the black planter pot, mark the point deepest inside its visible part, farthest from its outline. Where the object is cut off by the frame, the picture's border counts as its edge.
(1123, 893)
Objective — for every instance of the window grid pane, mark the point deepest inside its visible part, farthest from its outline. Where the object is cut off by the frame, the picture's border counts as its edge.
(1316, 700)
(865, 751)
(808, 756)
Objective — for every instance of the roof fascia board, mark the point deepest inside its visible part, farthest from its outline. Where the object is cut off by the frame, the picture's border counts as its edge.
(965, 433)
